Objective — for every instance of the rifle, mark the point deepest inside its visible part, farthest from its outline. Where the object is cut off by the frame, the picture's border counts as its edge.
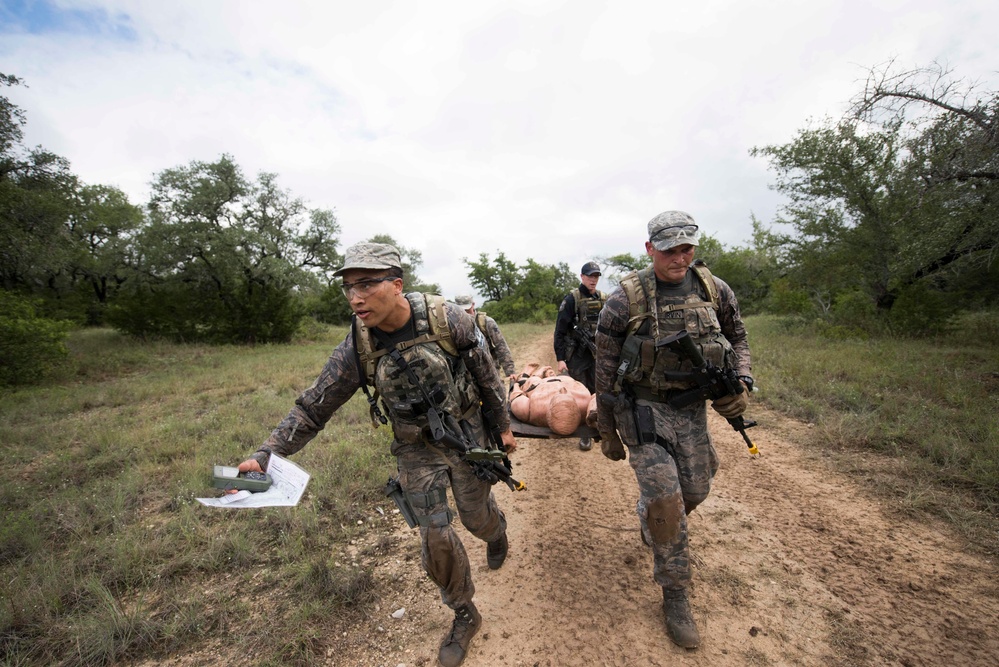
(712, 382)
(585, 337)
(490, 465)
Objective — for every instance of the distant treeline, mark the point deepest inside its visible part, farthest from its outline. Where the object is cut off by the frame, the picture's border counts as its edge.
(891, 226)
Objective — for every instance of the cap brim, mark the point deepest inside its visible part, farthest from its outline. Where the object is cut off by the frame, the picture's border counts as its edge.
(663, 246)
(364, 266)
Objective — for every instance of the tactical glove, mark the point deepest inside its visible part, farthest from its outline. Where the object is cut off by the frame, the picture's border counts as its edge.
(732, 406)
(612, 447)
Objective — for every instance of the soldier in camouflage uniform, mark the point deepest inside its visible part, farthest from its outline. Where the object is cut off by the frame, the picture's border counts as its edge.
(494, 337)
(669, 448)
(386, 318)
(577, 315)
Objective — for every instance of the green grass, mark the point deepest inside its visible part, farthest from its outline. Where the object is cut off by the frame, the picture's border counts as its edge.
(100, 521)
(930, 406)
(106, 558)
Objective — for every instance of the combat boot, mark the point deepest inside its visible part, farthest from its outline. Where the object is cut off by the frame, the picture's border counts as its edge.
(467, 621)
(496, 552)
(679, 621)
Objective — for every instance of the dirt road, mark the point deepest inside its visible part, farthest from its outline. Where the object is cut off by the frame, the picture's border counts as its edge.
(794, 564)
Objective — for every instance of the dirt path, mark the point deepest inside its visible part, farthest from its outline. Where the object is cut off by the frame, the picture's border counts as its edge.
(794, 565)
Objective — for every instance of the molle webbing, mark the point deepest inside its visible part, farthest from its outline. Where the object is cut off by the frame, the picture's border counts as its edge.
(431, 324)
(638, 285)
(435, 495)
(430, 320)
(588, 307)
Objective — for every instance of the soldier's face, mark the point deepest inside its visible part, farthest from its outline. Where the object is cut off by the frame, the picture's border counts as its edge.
(671, 265)
(376, 302)
(590, 281)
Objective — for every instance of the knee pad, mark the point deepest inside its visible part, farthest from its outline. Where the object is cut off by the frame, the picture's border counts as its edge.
(664, 517)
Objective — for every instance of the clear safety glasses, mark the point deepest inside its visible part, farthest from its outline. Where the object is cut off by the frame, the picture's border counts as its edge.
(363, 288)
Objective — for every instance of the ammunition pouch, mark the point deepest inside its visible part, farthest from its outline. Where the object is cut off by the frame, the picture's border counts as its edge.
(622, 408)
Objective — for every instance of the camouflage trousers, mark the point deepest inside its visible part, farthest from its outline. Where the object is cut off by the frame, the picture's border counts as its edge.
(425, 473)
(674, 476)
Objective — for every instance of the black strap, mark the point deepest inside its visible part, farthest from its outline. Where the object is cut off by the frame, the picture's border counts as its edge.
(372, 401)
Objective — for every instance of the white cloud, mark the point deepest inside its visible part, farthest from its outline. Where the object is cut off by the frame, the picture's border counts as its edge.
(548, 130)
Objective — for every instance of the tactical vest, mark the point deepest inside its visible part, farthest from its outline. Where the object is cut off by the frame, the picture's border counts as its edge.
(433, 356)
(588, 309)
(651, 318)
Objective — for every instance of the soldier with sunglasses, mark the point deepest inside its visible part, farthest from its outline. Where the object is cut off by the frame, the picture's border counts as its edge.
(439, 342)
(668, 447)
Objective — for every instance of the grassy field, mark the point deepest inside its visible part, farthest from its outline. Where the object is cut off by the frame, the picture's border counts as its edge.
(106, 557)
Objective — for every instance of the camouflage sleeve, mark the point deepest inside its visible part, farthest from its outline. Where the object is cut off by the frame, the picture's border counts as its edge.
(336, 383)
(563, 325)
(500, 348)
(609, 338)
(732, 326)
(479, 363)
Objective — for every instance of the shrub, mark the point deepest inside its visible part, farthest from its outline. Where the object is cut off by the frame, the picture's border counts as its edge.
(982, 326)
(921, 311)
(29, 345)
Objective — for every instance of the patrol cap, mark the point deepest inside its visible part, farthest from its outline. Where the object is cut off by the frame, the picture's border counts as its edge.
(370, 256)
(672, 228)
(589, 269)
(465, 301)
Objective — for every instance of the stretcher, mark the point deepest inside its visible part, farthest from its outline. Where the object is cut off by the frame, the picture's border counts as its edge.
(523, 430)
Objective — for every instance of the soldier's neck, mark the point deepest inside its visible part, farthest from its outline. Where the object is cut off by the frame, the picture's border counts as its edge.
(399, 316)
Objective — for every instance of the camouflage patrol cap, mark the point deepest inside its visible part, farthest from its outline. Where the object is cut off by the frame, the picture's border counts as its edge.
(465, 301)
(672, 228)
(370, 256)
(589, 269)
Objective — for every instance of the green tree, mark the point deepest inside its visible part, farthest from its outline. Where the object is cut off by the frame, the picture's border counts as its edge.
(224, 259)
(531, 292)
(36, 190)
(494, 280)
(898, 198)
(101, 225)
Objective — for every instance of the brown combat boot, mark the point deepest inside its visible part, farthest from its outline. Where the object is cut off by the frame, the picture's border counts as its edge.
(467, 621)
(679, 621)
(496, 552)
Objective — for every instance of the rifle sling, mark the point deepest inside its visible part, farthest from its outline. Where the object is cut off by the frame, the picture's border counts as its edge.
(373, 409)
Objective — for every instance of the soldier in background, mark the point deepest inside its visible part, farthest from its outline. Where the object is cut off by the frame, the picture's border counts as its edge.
(440, 343)
(491, 332)
(575, 329)
(669, 448)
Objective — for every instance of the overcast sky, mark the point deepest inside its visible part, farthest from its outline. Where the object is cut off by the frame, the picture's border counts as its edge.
(552, 130)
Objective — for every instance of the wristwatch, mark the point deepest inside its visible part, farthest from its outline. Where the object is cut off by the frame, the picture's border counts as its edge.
(748, 381)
